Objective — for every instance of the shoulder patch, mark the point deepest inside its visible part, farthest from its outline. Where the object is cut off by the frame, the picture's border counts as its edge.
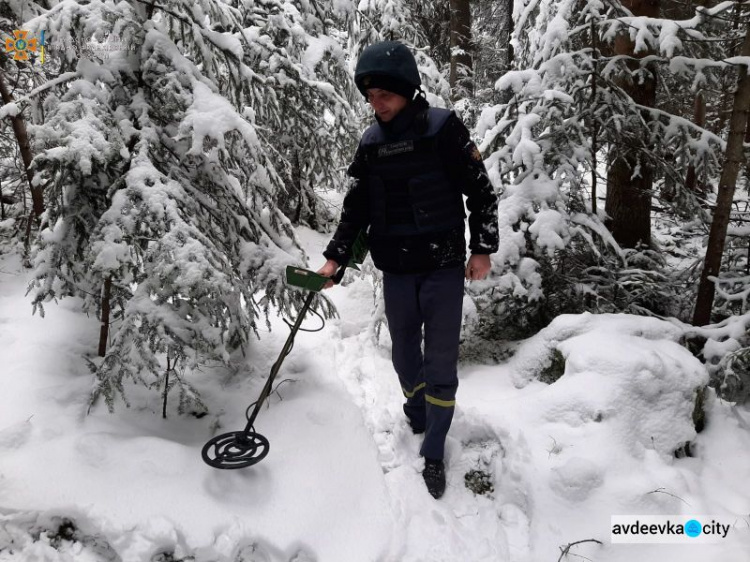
(474, 153)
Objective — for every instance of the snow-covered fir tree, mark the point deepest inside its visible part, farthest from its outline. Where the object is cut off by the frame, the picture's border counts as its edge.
(19, 200)
(305, 112)
(163, 162)
(548, 146)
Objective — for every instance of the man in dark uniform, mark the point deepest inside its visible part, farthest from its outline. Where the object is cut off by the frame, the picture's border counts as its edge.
(410, 172)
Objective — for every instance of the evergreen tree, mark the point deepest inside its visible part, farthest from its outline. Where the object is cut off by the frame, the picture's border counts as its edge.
(161, 164)
(305, 114)
(545, 147)
(462, 49)
(734, 159)
(18, 190)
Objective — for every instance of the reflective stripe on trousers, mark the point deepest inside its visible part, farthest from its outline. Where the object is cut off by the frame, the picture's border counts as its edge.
(433, 302)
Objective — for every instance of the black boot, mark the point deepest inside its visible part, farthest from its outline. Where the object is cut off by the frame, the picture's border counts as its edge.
(434, 477)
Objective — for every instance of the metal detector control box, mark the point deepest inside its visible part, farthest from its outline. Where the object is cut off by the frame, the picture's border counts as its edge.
(305, 279)
(312, 281)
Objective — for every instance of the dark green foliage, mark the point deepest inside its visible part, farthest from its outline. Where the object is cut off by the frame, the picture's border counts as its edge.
(476, 349)
(732, 377)
(72, 540)
(555, 368)
(170, 556)
(636, 282)
(65, 531)
(479, 482)
(699, 412)
(578, 280)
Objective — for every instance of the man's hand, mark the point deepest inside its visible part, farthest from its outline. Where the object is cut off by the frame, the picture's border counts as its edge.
(478, 267)
(329, 269)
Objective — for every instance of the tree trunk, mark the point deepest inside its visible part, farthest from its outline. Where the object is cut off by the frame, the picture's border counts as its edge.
(461, 65)
(630, 177)
(727, 183)
(594, 127)
(19, 128)
(506, 34)
(297, 186)
(726, 95)
(699, 118)
(166, 388)
(104, 328)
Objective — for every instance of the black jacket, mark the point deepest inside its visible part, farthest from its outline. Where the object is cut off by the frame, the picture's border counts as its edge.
(421, 252)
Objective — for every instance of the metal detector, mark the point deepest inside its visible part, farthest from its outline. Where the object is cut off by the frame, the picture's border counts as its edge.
(239, 449)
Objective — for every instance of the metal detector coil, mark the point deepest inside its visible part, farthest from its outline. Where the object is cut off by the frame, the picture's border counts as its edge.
(239, 449)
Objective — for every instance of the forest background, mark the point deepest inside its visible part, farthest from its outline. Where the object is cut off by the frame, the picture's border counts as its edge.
(156, 157)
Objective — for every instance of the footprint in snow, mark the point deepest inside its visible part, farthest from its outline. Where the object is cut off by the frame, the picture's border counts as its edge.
(474, 451)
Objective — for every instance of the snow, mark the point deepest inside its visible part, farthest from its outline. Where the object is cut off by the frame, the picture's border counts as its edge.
(144, 475)
(515, 80)
(9, 110)
(211, 116)
(743, 61)
(317, 49)
(342, 479)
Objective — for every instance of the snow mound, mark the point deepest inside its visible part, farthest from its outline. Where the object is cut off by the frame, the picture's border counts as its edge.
(606, 437)
(73, 535)
(537, 352)
(623, 373)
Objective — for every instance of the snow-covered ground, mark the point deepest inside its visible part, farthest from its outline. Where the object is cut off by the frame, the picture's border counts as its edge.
(342, 479)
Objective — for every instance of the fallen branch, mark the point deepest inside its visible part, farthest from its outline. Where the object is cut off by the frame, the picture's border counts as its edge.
(661, 491)
(565, 551)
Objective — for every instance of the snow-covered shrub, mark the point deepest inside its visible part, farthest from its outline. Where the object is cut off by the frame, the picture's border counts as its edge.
(733, 376)
(733, 284)
(725, 350)
(635, 282)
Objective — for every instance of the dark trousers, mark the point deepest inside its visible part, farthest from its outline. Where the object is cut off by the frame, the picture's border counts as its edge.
(429, 381)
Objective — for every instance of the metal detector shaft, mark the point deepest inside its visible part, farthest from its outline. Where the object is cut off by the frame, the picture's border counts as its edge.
(238, 449)
(285, 351)
(277, 366)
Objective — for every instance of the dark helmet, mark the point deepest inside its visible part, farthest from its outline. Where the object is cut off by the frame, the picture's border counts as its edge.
(388, 65)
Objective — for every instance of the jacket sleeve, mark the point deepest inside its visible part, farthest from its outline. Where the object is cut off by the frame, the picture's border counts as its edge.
(467, 171)
(355, 214)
